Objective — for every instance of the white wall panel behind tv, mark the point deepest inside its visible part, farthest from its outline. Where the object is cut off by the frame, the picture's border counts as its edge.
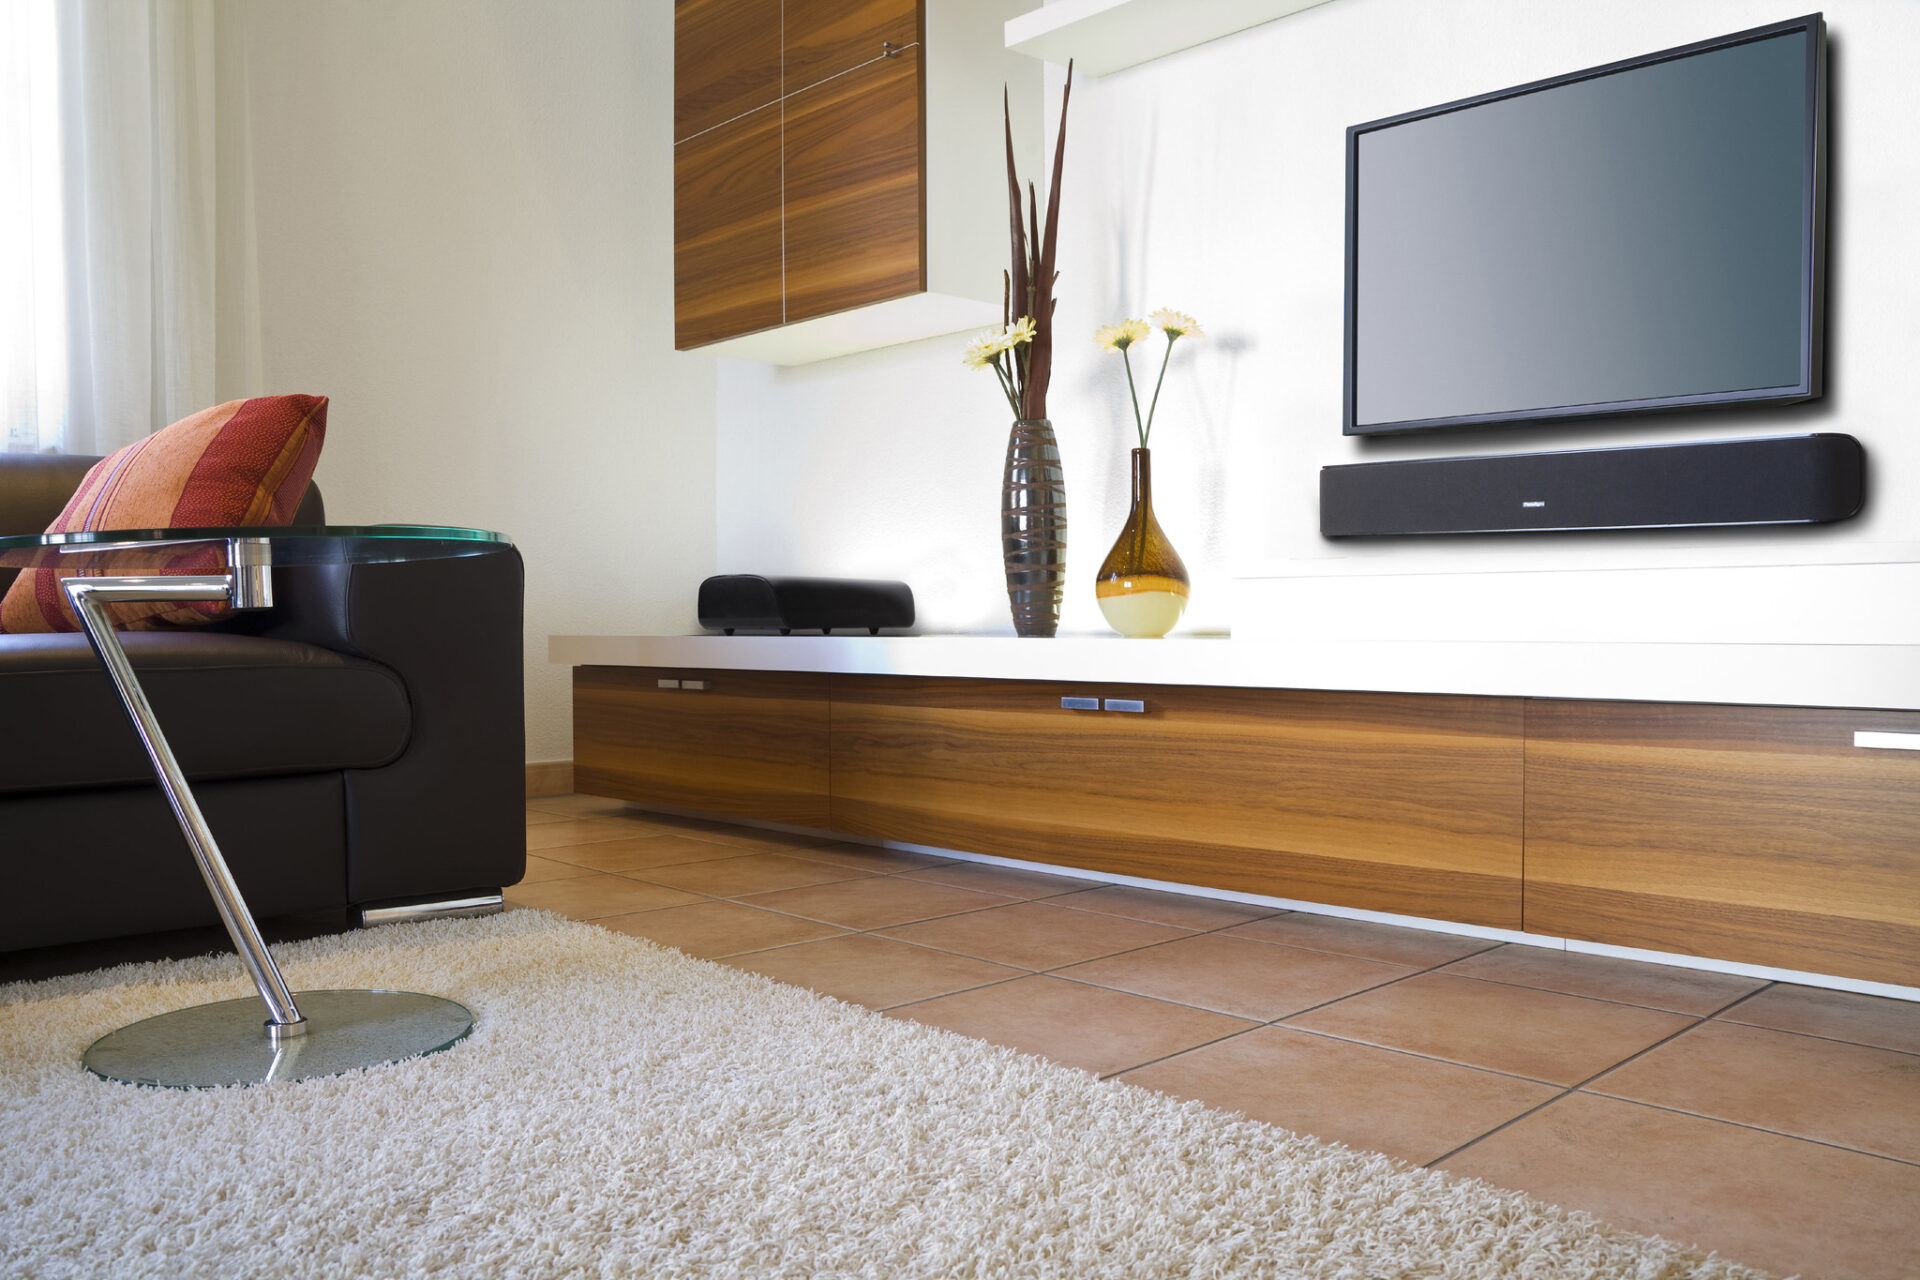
(1213, 180)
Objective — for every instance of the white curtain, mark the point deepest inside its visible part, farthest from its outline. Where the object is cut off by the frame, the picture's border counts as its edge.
(107, 225)
(33, 312)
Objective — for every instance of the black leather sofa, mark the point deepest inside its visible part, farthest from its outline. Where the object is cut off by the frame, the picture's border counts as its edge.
(358, 746)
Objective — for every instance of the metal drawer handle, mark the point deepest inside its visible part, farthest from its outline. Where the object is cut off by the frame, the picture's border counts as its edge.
(695, 685)
(668, 684)
(1126, 704)
(1079, 704)
(1887, 741)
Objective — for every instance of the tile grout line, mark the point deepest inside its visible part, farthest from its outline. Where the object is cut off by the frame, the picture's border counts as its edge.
(1808, 1035)
(1055, 972)
(1025, 972)
(842, 929)
(1737, 1001)
(1718, 1016)
(1275, 1022)
(1580, 1086)
(845, 931)
(1028, 973)
(1415, 1053)
(1007, 900)
(1576, 995)
(1742, 1124)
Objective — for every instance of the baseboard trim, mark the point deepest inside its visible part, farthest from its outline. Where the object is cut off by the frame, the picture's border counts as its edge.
(549, 778)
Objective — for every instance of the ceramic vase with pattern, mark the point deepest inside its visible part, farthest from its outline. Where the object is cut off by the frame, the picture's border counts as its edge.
(1033, 527)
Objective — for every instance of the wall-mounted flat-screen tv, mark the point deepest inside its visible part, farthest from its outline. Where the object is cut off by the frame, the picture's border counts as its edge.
(1644, 235)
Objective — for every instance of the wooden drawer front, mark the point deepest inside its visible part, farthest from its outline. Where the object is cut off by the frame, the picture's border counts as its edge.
(1395, 803)
(748, 744)
(1756, 834)
(726, 230)
(827, 37)
(854, 188)
(726, 61)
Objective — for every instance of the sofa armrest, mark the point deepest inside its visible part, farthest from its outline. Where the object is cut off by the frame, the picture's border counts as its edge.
(449, 814)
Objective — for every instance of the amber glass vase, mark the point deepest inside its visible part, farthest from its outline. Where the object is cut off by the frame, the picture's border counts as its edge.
(1143, 585)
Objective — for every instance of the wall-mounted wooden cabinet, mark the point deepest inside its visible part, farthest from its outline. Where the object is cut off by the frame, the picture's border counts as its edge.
(824, 38)
(727, 255)
(726, 61)
(853, 163)
(839, 171)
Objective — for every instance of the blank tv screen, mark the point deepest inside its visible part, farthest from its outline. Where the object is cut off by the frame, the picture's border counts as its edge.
(1637, 239)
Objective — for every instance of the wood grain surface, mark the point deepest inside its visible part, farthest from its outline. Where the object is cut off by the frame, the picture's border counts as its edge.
(1756, 834)
(751, 744)
(726, 230)
(726, 61)
(855, 189)
(1396, 803)
(827, 37)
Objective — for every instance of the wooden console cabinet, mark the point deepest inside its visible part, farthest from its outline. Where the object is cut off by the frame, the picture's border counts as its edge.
(1755, 834)
(1758, 834)
(1393, 802)
(747, 744)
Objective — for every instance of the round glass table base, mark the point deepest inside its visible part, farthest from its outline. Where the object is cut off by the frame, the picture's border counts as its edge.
(227, 1043)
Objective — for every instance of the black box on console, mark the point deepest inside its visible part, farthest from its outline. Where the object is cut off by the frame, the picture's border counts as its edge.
(749, 602)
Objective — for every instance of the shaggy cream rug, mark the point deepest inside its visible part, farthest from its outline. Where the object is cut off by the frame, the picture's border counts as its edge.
(622, 1110)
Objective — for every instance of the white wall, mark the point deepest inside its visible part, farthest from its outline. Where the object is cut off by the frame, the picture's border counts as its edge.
(1212, 181)
(455, 218)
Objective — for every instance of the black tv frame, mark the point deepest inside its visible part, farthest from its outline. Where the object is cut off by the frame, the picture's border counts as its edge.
(1813, 249)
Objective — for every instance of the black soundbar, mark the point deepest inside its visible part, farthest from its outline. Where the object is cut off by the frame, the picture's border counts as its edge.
(1806, 479)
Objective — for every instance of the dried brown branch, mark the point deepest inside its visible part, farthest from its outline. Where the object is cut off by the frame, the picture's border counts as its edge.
(1040, 368)
(1017, 283)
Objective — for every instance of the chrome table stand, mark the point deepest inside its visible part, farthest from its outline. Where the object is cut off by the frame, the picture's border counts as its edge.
(227, 1043)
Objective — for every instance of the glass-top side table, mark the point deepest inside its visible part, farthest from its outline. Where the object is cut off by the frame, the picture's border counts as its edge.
(320, 1032)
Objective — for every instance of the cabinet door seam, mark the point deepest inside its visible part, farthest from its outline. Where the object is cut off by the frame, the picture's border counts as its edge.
(897, 51)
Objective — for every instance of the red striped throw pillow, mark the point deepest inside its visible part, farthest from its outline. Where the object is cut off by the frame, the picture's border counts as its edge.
(246, 462)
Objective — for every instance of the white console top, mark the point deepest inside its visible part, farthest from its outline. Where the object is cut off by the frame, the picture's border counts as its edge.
(1815, 675)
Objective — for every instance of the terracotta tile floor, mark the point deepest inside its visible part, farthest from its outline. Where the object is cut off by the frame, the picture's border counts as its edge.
(1779, 1125)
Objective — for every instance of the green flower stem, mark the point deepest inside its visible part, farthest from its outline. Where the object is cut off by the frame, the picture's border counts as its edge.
(1127, 361)
(1158, 383)
(1006, 387)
